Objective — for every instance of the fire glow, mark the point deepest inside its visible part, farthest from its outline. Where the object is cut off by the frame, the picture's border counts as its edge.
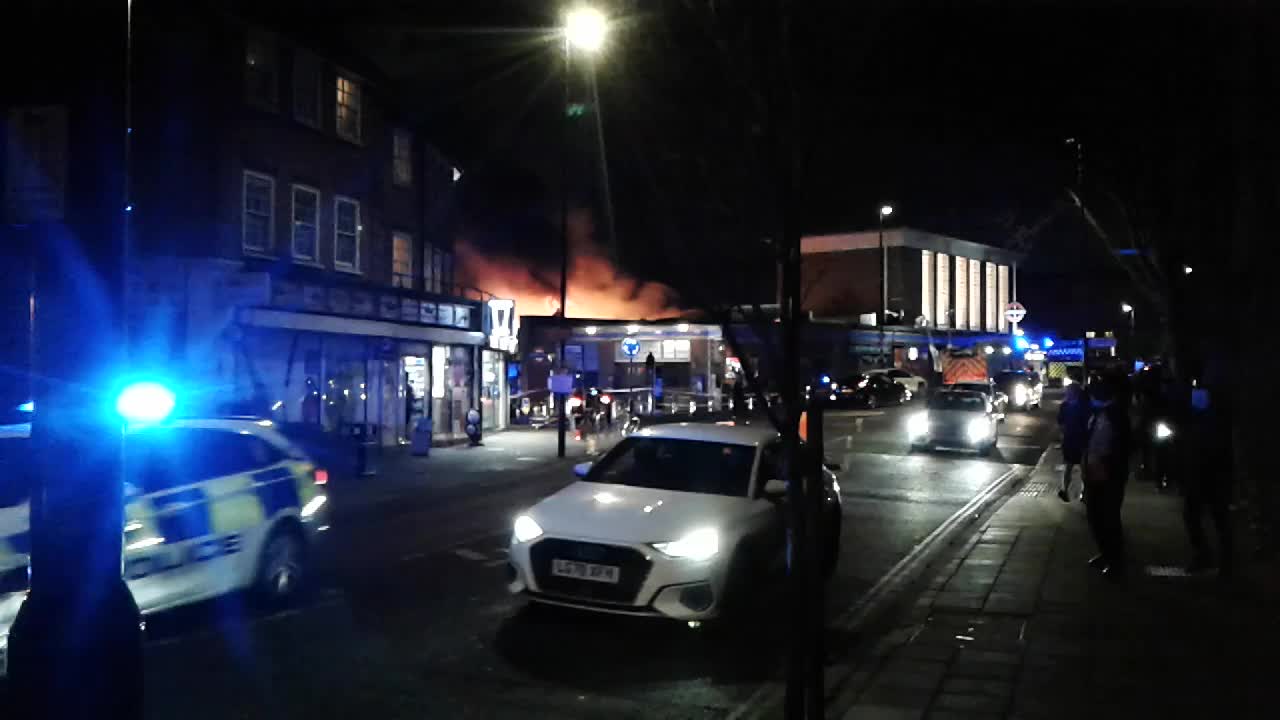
(597, 288)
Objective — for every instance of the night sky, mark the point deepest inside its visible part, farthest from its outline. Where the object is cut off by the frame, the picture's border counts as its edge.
(956, 113)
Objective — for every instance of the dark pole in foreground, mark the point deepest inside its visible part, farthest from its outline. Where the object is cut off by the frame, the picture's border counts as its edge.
(75, 647)
(561, 420)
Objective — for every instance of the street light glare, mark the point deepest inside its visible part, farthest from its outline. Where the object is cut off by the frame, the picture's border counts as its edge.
(1186, 269)
(585, 28)
(886, 210)
(1126, 307)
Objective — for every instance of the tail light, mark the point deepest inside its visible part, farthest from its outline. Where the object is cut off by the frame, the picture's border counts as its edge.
(320, 476)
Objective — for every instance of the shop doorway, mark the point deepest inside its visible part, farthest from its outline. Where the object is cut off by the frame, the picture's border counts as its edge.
(413, 392)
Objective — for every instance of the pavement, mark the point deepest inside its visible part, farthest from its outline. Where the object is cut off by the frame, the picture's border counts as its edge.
(1015, 625)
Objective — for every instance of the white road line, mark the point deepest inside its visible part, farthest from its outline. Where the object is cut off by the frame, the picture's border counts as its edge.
(496, 563)
(467, 554)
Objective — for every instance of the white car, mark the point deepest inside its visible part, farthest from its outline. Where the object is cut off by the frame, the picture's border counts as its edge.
(914, 383)
(211, 506)
(679, 521)
(957, 419)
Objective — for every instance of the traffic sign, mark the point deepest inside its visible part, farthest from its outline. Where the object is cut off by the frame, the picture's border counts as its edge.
(1014, 312)
(630, 347)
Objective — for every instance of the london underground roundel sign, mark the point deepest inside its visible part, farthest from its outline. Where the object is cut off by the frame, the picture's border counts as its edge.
(1014, 312)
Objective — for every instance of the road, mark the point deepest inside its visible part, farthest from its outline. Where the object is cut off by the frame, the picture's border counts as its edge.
(412, 618)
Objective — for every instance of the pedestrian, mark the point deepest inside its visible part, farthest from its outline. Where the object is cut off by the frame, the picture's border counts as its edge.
(409, 402)
(1073, 421)
(1106, 473)
(1207, 458)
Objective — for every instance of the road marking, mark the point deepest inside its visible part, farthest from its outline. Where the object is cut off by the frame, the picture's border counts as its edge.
(467, 554)
(526, 458)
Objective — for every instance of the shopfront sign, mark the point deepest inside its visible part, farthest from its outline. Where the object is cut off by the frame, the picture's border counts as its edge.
(258, 289)
(409, 310)
(461, 316)
(389, 307)
(313, 298)
(427, 313)
(444, 314)
(339, 301)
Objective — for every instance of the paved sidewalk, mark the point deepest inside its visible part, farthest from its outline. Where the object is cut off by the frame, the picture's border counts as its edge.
(1017, 626)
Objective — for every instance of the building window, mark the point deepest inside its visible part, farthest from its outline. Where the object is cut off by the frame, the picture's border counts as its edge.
(943, 284)
(347, 108)
(926, 286)
(1003, 271)
(259, 212)
(306, 89)
(401, 260)
(402, 157)
(962, 294)
(975, 295)
(306, 223)
(346, 234)
(991, 297)
(261, 73)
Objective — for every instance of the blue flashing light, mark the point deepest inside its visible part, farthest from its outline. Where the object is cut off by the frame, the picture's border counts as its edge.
(826, 379)
(1021, 343)
(1046, 343)
(27, 407)
(145, 402)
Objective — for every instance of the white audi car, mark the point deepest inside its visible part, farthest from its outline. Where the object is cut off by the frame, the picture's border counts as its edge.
(678, 521)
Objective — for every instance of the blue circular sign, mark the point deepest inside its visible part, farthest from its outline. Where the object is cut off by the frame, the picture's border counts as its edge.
(630, 347)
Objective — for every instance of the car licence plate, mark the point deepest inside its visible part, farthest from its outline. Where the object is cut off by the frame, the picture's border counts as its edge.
(585, 571)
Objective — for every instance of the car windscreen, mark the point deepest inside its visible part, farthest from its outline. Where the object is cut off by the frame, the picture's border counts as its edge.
(671, 464)
(965, 402)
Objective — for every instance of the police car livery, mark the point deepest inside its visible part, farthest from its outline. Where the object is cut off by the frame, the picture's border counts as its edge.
(212, 506)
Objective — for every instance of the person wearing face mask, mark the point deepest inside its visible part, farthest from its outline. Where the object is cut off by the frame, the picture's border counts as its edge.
(1106, 473)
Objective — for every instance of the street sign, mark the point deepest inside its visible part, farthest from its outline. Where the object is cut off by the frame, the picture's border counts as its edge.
(1014, 312)
(630, 347)
(560, 383)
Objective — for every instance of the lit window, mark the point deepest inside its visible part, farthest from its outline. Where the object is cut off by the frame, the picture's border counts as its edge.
(401, 260)
(306, 89)
(991, 307)
(346, 234)
(259, 212)
(430, 275)
(306, 223)
(347, 112)
(261, 79)
(402, 157)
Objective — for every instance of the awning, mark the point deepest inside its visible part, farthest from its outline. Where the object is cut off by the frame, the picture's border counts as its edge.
(337, 325)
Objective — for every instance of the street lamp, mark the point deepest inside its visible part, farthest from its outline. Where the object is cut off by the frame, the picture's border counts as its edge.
(1128, 310)
(585, 29)
(1186, 269)
(885, 211)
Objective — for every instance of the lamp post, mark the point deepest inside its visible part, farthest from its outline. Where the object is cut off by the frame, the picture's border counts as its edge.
(584, 30)
(885, 211)
(1128, 310)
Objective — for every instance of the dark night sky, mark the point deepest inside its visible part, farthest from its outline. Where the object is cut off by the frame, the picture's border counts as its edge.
(956, 112)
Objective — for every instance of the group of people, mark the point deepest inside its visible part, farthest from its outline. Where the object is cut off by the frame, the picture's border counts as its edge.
(1099, 436)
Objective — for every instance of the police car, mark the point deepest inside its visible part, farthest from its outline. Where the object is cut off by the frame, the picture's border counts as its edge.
(212, 506)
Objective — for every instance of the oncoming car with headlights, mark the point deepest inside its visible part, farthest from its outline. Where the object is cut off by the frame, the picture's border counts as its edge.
(212, 506)
(1023, 388)
(961, 419)
(681, 521)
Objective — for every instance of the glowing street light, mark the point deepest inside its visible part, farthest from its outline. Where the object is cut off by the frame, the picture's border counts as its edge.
(1186, 269)
(1126, 308)
(585, 29)
(886, 211)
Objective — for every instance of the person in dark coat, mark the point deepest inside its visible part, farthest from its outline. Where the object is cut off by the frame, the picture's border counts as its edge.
(1205, 432)
(1106, 473)
(1073, 421)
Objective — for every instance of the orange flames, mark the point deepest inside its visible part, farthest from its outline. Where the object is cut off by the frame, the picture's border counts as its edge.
(597, 289)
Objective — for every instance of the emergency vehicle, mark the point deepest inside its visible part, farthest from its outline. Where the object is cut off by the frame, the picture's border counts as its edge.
(212, 506)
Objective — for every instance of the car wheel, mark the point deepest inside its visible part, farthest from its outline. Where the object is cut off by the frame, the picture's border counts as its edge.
(281, 566)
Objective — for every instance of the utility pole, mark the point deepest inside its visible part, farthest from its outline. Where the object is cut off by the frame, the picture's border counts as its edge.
(75, 647)
(561, 419)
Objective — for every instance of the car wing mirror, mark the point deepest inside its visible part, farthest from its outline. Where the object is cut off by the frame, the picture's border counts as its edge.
(581, 469)
(774, 489)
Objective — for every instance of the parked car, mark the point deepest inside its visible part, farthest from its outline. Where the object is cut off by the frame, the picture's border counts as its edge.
(867, 391)
(916, 384)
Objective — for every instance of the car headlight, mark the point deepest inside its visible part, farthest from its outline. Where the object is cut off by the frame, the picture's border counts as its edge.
(978, 429)
(525, 529)
(697, 545)
(1019, 394)
(1163, 431)
(917, 425)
